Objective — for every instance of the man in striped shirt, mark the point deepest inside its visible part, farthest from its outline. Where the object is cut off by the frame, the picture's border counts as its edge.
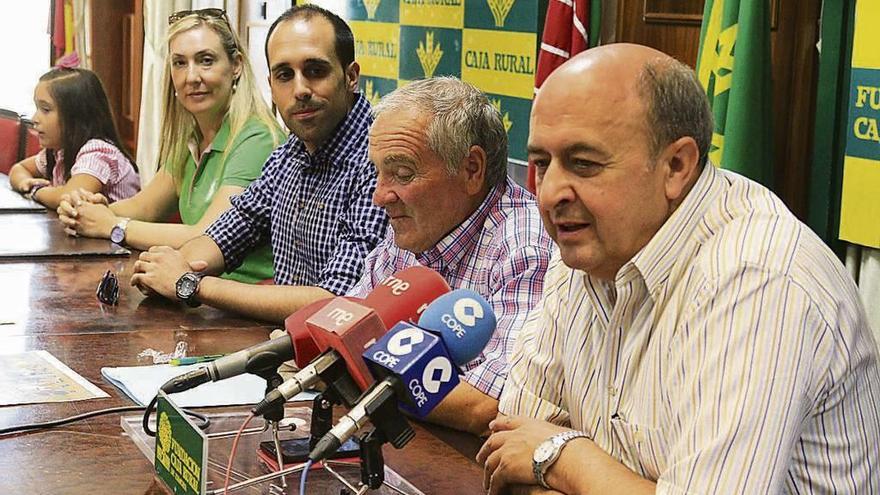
(694, 336)
(440, 148)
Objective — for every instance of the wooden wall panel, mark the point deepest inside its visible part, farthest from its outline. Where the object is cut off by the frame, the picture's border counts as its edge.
(117, 39)
(673, 26)
(673, 11)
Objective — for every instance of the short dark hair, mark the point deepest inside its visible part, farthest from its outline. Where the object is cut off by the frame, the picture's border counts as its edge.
(344, 36)
(84, 113)
(677, 106)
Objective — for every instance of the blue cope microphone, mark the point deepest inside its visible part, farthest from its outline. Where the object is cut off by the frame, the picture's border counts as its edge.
(417, 366)
(464, 320)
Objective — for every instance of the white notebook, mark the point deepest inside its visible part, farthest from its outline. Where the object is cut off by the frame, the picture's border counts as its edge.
(142, 382)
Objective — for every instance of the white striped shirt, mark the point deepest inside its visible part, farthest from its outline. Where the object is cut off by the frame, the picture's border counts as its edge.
(102, 161)
(730, 355)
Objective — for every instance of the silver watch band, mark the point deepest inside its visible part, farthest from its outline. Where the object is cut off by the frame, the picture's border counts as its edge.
(558, 441)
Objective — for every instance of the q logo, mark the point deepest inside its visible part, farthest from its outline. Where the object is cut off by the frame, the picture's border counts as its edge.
(467, 311)
(402, 342)
(440, 364)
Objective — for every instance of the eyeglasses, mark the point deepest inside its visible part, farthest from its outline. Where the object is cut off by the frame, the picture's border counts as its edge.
(108, 289)
(203, 13)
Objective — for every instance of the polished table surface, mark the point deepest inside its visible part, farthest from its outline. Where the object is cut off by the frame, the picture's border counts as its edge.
(58, 296)
(12, 201)
(32, 235)
(93, 456)
(50, 304)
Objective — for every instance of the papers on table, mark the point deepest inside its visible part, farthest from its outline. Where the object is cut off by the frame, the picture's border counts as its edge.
(14, 202)
(141, 383)
(37, 376)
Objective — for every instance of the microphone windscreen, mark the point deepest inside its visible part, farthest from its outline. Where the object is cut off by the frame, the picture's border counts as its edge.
(420, 363)
(304, 347)
(464, 320)
(348, 328)
(404, 295)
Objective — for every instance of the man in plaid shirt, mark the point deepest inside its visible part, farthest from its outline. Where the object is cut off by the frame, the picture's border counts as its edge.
(313, 199)
(441, 151)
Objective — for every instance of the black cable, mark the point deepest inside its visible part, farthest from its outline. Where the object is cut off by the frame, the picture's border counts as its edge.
(64, 421)
(204, 422)
(146, 421)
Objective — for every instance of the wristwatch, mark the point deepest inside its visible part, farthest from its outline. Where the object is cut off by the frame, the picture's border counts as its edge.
(33, 190)
(117, 233)
(548, 451)
(187, 287)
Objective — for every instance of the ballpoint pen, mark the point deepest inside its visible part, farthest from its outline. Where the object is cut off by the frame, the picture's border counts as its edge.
(194, 359)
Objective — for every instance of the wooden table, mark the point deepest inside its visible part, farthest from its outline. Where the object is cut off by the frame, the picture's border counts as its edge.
(50, 304)
(58, 296)
(41, 235)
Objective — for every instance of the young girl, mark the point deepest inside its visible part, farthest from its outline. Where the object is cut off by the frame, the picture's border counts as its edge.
(81, 148)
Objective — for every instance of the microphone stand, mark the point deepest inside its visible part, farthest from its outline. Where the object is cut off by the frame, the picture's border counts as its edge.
(275, 414)
(372, 461)
(389, 425)
(322, 415)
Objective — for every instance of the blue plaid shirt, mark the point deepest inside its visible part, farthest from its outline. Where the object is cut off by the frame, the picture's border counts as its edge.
(316, 209)
(501, 251)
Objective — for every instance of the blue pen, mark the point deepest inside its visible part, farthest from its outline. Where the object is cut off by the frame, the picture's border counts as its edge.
(194, 359)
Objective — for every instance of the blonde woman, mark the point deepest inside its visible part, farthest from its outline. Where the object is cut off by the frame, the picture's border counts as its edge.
(216, 134)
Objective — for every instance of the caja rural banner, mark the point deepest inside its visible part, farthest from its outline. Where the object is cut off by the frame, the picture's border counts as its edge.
(860, 203)
(489, 43)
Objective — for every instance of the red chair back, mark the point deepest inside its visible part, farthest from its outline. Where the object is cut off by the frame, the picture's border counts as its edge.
(31, 140)
(10, 140)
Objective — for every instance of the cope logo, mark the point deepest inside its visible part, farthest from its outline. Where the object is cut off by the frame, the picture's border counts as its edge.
(437, 372)
(401, 343)
(467, 311)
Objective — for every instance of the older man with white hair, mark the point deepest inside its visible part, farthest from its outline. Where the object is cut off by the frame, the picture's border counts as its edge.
(440, 149)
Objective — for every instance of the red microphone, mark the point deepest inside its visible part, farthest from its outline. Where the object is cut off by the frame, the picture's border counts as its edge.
(400, 297)
(347, 328)
(344, 327)
(404, 295)
(304, 347)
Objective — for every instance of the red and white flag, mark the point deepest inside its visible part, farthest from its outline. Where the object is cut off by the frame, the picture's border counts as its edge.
(565, 35)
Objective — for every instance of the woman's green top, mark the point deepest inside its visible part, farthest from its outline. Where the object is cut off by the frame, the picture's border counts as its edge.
(238, 165)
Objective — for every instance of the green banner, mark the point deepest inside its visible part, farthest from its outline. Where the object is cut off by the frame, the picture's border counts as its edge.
(427, 52)
(491, 44)
(507, 15)
(375, 88)
(515, 115)
(372, 10)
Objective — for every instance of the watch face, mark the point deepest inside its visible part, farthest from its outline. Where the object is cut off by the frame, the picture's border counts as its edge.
(117, 235)
(543, 452)
(186, 286)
